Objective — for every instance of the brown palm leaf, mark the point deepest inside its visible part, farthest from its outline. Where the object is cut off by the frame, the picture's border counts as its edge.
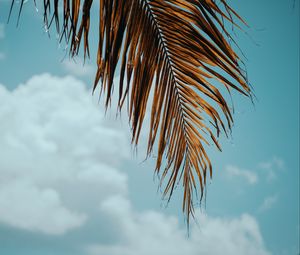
(176, 48)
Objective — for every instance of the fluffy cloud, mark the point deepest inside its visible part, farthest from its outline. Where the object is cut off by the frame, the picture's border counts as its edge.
(61, 160)
(78, 68)
(55, 139)
(149, 232)
(25, 206)
(234, 171)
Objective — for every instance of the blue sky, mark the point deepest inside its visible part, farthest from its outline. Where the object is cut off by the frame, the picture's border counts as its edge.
(54, 198)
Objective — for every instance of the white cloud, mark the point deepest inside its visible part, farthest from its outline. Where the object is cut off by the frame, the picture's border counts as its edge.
(272, 167)
(55, 138)
(268, 203)
(78, 68)
(60, 159)
(25, 206)
(234, 171)
(2, 31)
(147, 233)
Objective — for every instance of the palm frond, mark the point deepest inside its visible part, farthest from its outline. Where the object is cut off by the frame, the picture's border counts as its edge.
(177, 48)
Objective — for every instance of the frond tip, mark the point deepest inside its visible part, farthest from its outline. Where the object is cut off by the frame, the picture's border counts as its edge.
(177, 49)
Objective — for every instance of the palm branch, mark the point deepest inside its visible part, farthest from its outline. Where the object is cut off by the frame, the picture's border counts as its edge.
(177, 49)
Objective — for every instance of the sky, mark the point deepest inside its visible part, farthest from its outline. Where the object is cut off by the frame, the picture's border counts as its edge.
(71, 183)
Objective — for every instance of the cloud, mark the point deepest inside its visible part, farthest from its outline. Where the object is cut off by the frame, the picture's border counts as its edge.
(78, 68)
(271, 167)
(61, 161)
(20, 201)
(268, 203)
(234, 171)
(149, 232)
(55, 139)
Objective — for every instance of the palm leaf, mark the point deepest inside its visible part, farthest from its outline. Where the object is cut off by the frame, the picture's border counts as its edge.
(176, 48)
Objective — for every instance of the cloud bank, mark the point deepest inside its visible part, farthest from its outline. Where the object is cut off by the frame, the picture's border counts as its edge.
(53, 141)
(151, 232)
(62, 167)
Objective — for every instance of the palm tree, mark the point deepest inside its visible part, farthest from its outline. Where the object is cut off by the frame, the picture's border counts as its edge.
(177, 49)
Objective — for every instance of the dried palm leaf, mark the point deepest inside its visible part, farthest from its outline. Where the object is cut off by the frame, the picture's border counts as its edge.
(175, 48)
